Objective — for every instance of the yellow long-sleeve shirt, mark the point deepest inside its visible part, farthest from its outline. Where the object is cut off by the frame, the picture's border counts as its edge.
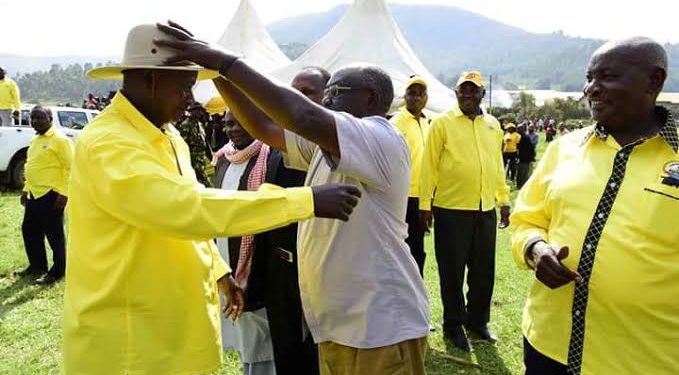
(632, 309)
(511, 142)
(141, 296)
(10, 97)
(462, 161)
(48, 163)
(415, 132)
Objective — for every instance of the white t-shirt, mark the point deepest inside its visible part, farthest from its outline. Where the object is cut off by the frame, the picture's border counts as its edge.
(360, 286)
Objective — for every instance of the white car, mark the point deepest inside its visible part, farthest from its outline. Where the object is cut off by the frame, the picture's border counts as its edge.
(14, 140)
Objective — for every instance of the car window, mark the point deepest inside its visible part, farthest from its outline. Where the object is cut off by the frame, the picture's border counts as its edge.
(72, 119)
(25, 117)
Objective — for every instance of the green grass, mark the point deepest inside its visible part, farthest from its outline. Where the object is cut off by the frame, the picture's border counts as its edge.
(30, 333)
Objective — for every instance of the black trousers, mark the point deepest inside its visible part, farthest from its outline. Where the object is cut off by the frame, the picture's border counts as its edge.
(539, 364)
(42, 220)
(293, 354)
(522, 174)
(465, 239)
(415, 238)
(511, 159)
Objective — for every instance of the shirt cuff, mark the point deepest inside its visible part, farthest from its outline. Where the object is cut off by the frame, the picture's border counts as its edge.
(221, 269)
(301, 203)
(425, 204)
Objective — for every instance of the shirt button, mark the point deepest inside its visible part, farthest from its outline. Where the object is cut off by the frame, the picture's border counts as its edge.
(613, 184)
(577, 312)
(589, 246)
(600, 216)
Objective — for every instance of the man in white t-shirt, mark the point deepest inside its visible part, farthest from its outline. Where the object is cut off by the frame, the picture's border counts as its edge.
(364, 301)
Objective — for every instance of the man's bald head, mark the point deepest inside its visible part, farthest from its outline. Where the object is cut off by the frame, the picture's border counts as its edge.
(362, 90)
(311, 82)
(624, 78)
(643, 52)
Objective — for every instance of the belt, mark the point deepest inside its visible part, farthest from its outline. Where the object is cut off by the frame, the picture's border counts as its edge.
(283, 254)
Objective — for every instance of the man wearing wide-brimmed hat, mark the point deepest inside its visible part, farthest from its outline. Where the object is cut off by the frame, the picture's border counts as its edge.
(141, 286)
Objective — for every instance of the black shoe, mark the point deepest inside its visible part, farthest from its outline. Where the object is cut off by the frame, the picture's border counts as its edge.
(482, 332)
(29, 271)
(457, 336)
(47, 279)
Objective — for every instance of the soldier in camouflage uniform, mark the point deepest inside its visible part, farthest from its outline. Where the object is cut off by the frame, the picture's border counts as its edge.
(193, 133)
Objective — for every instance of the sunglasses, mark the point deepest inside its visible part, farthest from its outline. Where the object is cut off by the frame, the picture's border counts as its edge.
(335, 90)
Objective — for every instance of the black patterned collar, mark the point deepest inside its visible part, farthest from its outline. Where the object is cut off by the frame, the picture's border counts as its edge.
(668, 132)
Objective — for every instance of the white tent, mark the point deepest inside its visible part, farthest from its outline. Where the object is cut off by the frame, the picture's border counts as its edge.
(368, 34)
(246, 36)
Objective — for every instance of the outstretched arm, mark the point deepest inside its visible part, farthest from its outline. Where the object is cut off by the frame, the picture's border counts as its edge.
(283, 105)
(258, 124)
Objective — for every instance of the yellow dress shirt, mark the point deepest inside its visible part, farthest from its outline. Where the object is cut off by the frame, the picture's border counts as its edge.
(462, 161)
(48, 163)
(9, 95)
(141, 296)
(632, 310)
(415, 132)
(511, 142)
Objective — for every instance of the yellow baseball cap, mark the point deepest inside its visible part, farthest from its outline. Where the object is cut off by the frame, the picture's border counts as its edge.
(415, 80)
(472, 76)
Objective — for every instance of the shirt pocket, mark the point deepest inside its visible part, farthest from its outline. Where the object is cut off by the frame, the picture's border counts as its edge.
(661, 207)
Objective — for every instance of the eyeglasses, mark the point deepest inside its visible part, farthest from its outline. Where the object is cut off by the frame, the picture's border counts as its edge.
(335, 90)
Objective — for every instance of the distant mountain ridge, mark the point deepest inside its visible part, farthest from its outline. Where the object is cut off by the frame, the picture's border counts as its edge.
(449, 40)
(20, 64)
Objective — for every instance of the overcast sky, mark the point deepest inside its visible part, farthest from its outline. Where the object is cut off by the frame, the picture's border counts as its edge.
(99, 27)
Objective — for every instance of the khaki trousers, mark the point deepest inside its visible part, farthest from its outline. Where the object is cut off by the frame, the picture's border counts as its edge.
(404, 358)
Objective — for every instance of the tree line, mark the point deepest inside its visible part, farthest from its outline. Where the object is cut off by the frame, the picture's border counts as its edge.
(60, 85)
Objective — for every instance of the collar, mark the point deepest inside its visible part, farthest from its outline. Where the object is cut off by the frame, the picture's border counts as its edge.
(48, 133)
(124, 107)
(457, 112)
(668, 131)
(411, 115)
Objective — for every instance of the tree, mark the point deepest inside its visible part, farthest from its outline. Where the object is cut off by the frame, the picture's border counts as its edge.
(524, 105)
(62, 85)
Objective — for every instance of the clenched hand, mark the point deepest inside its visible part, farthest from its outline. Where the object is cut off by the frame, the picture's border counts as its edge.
(335, 201)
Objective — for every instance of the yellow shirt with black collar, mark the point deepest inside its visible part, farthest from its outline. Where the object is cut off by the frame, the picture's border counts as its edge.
(415, 132)
(48, 163)
(141, 294)
(462, 162)
(632, 310)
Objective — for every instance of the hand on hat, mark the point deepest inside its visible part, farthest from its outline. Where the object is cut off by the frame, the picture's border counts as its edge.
(189, 48)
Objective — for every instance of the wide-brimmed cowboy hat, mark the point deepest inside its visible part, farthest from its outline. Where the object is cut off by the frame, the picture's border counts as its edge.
(142, 53)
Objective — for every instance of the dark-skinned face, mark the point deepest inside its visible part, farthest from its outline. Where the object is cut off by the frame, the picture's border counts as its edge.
(469, 98)
(239, 136)
(172, 93)
(618, 91)
(40, 121)
(416, 98)
(350, 95)
(310, 84)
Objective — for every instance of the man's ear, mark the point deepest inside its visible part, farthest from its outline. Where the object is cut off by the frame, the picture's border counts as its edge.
(656, 80)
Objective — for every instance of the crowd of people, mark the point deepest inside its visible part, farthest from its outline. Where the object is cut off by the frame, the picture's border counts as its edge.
(312, 224)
